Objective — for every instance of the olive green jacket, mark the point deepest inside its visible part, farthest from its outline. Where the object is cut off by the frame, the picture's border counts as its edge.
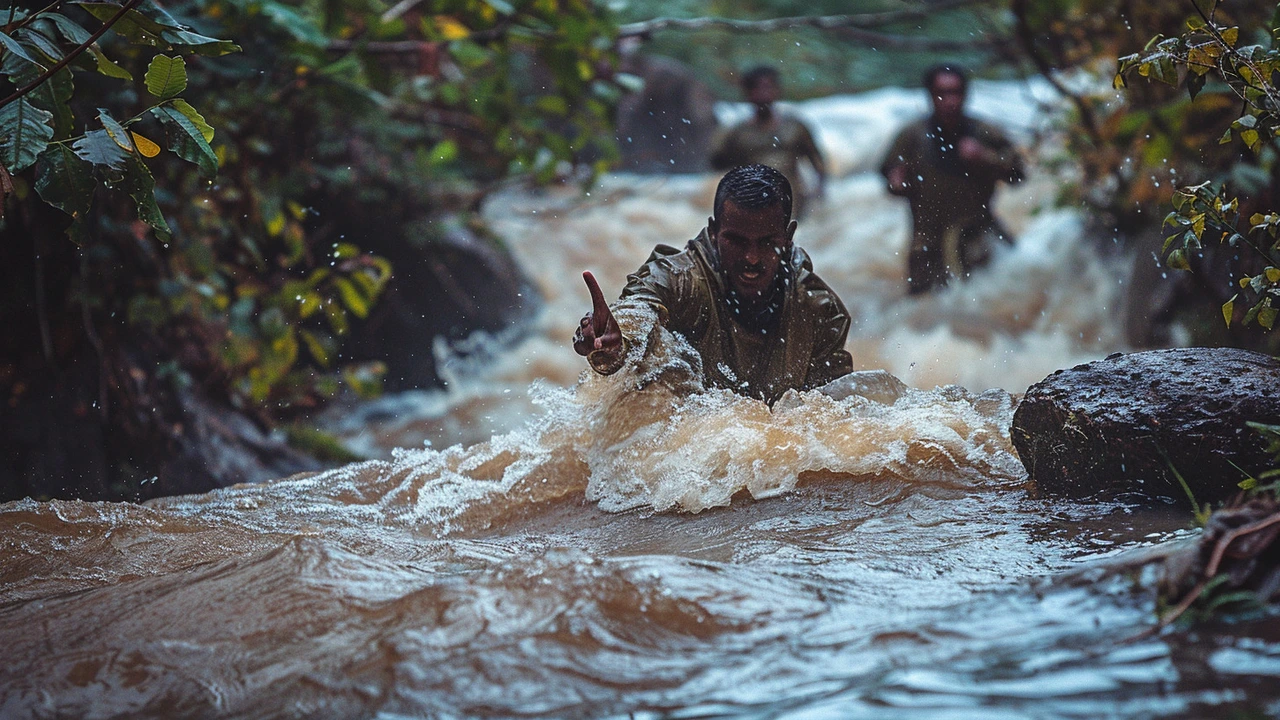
(685, 291)
(945, 191)
(781, 146)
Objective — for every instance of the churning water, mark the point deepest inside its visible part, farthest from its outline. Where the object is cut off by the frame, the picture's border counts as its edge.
(566, 545)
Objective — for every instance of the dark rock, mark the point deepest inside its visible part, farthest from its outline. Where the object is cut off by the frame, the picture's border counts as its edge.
(449, 280)
(666, 126)
(1117, 425)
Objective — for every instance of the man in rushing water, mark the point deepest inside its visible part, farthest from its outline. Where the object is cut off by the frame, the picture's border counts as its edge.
(771, 138)
(742, 294)
(947, 165)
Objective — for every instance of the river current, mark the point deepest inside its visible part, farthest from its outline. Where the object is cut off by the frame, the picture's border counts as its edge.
(537, 541)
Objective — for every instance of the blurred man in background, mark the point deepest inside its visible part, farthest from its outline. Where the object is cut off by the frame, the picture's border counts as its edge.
(771, 138)
(947, 165)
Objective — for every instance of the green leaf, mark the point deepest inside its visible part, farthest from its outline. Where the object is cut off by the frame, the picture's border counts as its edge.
(288, 19)
(24, 133)
(70, 29)
(16, 48)
(200, 44)
(54, 94)
(66, 182)
(132, 26)
(166, 77)
(108, 68)
(187, 140)
(1177, 261)
(1229, 309)
(158, 29)
(98, 148)
(45, 44)
(196, 118)
(138, 182)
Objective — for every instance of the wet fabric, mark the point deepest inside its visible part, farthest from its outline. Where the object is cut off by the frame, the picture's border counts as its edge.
(781, 145)
(799, 344)
(953, 228)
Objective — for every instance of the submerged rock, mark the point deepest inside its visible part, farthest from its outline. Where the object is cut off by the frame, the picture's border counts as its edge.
(1118, 425)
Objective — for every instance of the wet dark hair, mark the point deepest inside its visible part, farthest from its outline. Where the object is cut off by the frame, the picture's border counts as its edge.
(754, 187)
(752, 77)
(931, 75)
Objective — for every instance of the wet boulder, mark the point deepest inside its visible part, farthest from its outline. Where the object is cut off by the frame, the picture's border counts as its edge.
(1118, 425)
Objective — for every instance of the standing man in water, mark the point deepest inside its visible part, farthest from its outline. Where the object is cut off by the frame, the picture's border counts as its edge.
(742, 294)
(771, 138)
(947, 165)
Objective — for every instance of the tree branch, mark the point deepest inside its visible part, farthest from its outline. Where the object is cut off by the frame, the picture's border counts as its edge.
(853, 27)
(131, 4)
(1027, 38)
(821, 22)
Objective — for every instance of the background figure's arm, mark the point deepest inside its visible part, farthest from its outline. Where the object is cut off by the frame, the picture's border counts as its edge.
(809, 149)
(897, 166)
(992, 150)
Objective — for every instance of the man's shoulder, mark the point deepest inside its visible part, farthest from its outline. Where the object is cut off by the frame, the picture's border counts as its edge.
(915, 128)
(986, 129)
(813, 292)
(672, 267)
(673, 259)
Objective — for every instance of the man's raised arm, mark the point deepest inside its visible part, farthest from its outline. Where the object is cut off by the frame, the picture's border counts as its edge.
(598, 337)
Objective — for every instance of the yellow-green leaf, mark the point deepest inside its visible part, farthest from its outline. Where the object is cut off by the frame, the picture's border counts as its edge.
(1273, 274)
(1197, 224)
(1229, 310)
(1267, 317)
(115, 130)
(275, 225)
(196, 119)
(351, 297)
(1230, 35)
(145, 146)
(108, 68)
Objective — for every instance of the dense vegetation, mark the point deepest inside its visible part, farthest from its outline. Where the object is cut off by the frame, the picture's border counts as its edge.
(192, 197)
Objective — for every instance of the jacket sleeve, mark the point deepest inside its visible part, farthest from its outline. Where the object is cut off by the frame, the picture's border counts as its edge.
(1006, 156)
(830, 360)
(660, 293)
(902, 152)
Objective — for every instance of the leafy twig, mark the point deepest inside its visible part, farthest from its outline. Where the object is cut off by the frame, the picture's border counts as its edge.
(131, 4)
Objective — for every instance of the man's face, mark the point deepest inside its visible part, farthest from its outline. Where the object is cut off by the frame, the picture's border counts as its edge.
(752, 246)
(764, 92)
(947, 94)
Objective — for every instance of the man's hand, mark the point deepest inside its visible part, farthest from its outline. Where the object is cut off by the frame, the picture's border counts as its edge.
(598, 331)
(972, 150)
(897, 178)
